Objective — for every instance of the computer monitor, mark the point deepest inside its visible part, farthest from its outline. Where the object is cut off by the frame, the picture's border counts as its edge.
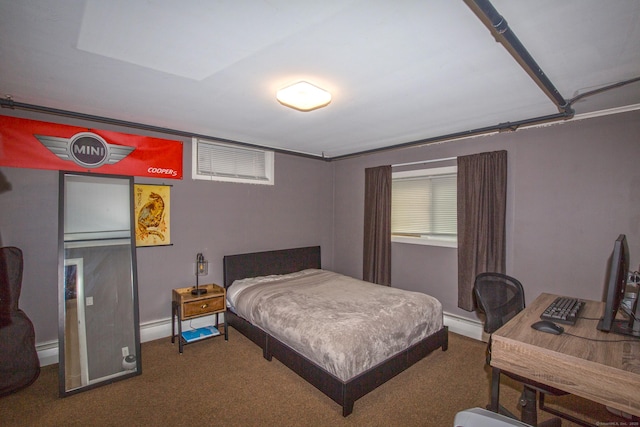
(615, 291)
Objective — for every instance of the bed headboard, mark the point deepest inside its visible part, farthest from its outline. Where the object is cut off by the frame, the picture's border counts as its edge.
(281, 261)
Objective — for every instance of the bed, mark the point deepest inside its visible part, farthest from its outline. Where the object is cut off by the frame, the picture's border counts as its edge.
(342, 373)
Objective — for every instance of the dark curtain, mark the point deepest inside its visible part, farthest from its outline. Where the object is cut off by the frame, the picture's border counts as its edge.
(377, 226)
(482, 196)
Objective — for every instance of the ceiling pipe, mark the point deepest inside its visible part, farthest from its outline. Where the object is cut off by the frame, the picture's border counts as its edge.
(502, 127)
(504, 35)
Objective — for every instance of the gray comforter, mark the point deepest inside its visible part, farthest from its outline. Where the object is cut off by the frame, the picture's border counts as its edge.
(343, 324)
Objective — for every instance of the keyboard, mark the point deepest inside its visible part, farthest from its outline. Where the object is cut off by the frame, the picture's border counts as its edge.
(563, 310)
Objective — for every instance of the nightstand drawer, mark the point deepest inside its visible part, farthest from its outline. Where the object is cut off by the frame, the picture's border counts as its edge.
(197, 308)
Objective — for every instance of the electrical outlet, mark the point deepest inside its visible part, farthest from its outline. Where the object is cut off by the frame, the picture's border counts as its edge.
(125, 351)
(89, 301)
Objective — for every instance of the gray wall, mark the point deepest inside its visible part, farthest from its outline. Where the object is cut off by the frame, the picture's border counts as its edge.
(572, 188)
(214, 218)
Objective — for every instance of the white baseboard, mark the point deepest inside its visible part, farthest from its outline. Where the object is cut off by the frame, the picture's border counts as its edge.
(155, 330)
(466, 327)
(48, 352)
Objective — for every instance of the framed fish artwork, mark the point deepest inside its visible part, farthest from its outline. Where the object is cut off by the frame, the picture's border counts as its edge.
(152, 204)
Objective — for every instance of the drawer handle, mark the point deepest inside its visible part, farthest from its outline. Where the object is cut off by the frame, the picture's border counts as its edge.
(203, 306)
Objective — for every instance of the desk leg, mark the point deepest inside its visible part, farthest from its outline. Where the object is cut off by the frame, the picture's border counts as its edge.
(495, 390)
(529, 409)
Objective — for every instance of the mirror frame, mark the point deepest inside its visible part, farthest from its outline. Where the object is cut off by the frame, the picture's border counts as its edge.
(62, 288)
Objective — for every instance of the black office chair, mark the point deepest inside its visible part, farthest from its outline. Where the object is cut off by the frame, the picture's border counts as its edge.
(500, 298)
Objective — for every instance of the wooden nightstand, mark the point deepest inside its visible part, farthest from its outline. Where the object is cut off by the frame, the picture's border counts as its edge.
(185, 306)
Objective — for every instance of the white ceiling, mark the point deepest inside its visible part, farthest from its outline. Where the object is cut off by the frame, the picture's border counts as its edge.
(400, 71)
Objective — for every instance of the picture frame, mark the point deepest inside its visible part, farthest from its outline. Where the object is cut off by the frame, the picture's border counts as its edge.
(152, 215)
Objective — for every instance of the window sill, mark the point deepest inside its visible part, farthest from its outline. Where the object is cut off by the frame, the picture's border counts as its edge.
(425, 241)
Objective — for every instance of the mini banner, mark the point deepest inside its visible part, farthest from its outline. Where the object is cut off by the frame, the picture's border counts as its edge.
(42, 145)
(152, 204)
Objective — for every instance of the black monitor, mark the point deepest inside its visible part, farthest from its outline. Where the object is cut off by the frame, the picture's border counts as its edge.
(615, 291)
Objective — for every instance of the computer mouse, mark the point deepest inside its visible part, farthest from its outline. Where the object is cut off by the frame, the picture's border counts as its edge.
(548, 327)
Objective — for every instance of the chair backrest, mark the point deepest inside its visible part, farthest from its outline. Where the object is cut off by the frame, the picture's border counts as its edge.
(499, 297)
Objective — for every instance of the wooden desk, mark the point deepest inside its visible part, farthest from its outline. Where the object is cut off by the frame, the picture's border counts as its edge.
(603, 372)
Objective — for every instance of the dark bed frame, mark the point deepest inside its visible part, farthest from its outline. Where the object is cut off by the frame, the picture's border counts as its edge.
(345, 393)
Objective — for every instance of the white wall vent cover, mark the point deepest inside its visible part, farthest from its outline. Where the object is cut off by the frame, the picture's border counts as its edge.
(215, 161)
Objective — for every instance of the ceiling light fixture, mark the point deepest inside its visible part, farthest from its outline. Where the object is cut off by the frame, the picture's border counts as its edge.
(303, 96)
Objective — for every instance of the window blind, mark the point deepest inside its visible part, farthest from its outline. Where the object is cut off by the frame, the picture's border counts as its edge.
(232, 163)
(424, 206)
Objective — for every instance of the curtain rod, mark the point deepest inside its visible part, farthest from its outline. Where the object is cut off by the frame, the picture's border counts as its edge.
(445, 159)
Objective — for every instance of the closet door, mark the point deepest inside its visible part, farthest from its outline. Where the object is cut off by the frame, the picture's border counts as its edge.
(99, 334)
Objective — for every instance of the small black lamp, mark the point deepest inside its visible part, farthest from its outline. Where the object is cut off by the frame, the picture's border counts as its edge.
(202, 269)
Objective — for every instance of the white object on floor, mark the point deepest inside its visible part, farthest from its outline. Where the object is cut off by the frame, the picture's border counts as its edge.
(478, 417)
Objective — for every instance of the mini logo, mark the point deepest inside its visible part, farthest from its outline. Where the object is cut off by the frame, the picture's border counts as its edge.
(86, 149)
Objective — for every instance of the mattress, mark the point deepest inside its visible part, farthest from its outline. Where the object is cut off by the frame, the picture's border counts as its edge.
(342, 324)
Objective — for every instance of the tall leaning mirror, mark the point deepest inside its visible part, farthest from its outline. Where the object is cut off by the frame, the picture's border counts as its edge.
(99, 335)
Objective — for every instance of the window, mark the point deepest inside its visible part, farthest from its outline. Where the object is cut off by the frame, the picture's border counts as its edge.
(215, 161)
(424, 207)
